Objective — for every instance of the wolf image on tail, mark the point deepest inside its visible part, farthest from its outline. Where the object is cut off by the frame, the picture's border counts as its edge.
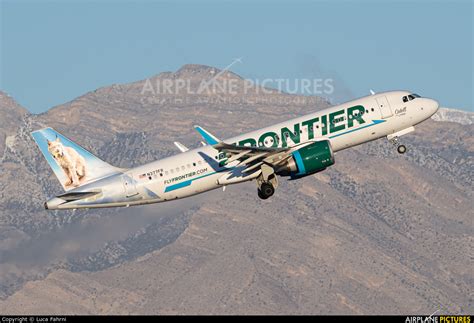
(71, 162)
(73, 165)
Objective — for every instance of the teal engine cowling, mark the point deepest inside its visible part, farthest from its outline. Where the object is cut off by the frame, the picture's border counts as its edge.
(309, 160)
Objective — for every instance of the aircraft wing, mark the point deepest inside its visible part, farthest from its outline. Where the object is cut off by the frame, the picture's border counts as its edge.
(251, 157)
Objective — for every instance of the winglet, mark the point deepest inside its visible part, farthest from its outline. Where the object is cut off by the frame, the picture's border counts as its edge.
(207, 136)
(181, 147)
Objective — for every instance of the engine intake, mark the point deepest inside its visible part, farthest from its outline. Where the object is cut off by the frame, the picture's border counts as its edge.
(309, 160)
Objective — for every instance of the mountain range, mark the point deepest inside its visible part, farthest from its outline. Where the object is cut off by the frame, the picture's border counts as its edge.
(377, 233)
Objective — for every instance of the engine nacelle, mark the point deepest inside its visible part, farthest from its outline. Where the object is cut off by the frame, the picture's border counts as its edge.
(309, 160)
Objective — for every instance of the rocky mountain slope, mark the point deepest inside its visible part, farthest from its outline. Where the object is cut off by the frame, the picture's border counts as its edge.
(453, 115)
(375, 233)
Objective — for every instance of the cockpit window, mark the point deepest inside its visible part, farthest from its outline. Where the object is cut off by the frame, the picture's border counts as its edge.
(410, 97)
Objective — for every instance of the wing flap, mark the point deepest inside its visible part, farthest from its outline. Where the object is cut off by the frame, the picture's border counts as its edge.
(253, 167)
(238, 156)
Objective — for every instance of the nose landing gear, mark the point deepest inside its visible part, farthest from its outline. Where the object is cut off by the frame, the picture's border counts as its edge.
(401, 149)
(393, 139)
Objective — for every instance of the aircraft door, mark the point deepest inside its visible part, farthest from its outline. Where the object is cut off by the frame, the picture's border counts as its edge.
(129, 185)
(384, 107)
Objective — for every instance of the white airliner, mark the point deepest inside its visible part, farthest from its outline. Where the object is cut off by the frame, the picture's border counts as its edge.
(294, 148)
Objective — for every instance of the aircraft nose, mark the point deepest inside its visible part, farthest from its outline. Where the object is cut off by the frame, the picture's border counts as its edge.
(433, 105)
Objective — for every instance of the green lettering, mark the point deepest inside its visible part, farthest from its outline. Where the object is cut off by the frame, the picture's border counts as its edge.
(274, 136)
(222, 163)
(332, 123)
(310, 123)
(351, 116)
(324, 125)
(250, 141)
(293, 135)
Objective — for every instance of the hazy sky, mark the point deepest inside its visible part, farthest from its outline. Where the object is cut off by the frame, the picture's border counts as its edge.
(54, 51)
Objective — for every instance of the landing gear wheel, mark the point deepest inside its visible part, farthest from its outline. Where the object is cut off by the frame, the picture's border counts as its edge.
(401, 149)
(265, 191)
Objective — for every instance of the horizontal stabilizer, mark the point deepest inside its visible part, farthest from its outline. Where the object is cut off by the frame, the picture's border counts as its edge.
(73, 196)
(181, 147)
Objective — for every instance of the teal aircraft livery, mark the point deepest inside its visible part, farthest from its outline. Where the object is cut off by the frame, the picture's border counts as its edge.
(295, 148)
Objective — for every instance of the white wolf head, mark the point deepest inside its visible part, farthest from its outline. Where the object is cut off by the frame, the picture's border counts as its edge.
(56, 148)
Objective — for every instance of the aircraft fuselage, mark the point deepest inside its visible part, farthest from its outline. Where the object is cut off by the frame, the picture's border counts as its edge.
(206, 168)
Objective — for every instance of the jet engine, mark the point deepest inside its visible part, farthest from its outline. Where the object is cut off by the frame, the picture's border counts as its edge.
(308, 160)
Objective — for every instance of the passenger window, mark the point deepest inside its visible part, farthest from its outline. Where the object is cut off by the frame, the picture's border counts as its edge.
(405, 99)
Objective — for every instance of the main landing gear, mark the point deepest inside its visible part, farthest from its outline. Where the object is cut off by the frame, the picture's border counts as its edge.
(266, 182)
(400, 148)
(265, 190)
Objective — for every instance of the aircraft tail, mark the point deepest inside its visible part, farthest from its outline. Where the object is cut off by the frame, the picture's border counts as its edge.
(73, 165)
